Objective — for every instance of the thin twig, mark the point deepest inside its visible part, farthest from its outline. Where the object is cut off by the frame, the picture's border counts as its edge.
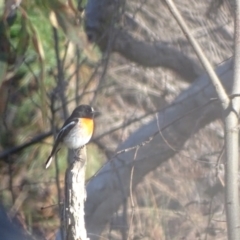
(131, 197)
(205, 62)
(77, 76)
(106, 58)
(57, 175)
(65, 54)
(60, 74)
(21, 147)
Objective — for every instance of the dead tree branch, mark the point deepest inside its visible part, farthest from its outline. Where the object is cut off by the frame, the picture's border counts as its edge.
(75, 196)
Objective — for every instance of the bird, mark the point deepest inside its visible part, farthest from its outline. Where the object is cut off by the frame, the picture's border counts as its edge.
(76, 131)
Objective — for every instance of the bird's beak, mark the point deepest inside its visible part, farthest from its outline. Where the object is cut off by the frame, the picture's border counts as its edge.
(96, 113)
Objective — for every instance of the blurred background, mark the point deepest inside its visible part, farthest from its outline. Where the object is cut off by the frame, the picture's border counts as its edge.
(123, 58)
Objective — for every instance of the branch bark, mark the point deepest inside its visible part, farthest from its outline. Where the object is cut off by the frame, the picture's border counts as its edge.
(154, 55)
(75, 196)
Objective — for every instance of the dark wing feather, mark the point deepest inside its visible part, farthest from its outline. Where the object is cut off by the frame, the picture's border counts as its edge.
(67, 127)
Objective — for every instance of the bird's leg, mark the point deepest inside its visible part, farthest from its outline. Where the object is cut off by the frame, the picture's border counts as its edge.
(77, 154)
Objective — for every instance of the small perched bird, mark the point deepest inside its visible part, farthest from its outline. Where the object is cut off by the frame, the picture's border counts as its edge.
(76, 131)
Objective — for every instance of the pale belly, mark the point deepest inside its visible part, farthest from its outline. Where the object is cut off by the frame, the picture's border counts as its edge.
(74, 141)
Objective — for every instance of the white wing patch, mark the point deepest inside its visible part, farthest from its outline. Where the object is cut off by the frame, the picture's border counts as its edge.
(65, 128)
(48, 162)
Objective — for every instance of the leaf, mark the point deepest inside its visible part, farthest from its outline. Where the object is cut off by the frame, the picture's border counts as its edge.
(37, 44)
(66, 17)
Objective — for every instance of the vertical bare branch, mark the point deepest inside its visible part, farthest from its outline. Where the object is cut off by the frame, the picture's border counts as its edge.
(75, 196)
(57, 176)
(231, 142)
(77, 76)
(230, 114)
(60, 73)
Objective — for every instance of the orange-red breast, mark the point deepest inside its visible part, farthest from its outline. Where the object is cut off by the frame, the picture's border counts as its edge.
(76, 131)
